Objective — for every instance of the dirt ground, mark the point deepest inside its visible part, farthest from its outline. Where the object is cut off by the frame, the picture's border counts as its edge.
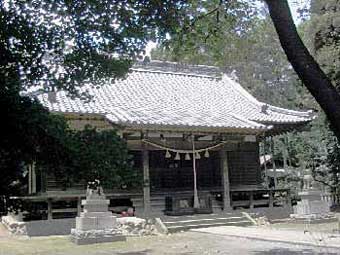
(330, 227)
(185, 243)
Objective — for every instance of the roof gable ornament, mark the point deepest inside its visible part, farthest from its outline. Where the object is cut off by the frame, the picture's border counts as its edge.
(52, 97)
(264, 108)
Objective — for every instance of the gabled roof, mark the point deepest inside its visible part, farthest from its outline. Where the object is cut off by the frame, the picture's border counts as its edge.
(174, 99)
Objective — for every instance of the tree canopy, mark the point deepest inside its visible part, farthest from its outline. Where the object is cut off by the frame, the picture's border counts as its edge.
(62, 44)
(51, 45)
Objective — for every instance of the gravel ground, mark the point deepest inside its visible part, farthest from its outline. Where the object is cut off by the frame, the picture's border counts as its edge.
(181, 243)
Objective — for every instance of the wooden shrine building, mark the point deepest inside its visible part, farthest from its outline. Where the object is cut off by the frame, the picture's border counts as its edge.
(194, 134)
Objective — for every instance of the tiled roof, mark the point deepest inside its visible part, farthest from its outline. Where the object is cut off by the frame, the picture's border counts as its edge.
(173, 99)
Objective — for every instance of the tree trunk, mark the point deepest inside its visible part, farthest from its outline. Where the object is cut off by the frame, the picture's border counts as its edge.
(304, 64)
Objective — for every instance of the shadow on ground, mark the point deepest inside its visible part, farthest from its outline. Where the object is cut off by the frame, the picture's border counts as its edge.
(144, 252)
(287, 251)
(147, 252)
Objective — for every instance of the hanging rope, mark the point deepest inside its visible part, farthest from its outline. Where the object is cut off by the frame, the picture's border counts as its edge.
(196, 199)
(194, 156)
(183, 151)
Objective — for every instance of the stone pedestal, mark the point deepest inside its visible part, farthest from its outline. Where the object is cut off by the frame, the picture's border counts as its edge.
(95, 224)
(311, 205)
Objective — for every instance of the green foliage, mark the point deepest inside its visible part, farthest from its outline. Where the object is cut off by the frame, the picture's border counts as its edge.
(322, 34)
(32, 134)
(101, 155)
(324, 28)
(63, 44)
(29, 133)
(51, 45)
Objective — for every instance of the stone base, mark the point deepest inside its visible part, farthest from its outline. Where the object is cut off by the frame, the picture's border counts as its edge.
(95, 223)
(105, 239)
(313, 218)
(96, 236)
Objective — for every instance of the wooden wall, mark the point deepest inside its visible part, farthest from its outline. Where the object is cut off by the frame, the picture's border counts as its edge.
(244, 165)
(170, 174)
(167, 174)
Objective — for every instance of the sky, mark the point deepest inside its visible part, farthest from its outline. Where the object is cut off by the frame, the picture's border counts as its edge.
(293, 4)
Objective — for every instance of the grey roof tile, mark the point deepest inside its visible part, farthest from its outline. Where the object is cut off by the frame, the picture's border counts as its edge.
(148, 97)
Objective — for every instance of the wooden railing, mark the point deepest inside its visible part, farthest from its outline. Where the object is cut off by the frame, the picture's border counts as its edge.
(260, 198)
(331, 199)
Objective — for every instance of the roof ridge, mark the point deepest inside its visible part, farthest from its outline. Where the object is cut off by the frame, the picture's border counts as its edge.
(307, 113)
(251, 122)
(174, 73)
(178, 67)
(273, 108)
(243, 91)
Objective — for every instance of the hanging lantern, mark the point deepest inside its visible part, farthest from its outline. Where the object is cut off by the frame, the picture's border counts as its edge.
(187, 156)
(206, 154)
(197, 155)
(167, 154)
(177, 157)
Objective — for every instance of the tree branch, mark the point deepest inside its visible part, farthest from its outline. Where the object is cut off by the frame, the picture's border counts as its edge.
(308, 70)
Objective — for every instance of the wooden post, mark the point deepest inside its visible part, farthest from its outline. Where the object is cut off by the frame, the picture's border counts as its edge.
(265, 163)
(49, 209)
(146, 180)
(78, 206)
(196, 199)
(288, 199)
(273, 160)
(34, 179)
(225, 180)
(29, 179)
(251, 199)
(271, 198)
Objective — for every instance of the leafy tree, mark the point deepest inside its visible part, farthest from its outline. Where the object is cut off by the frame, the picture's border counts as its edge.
(27, 134)
(62, 44)
(103, 156)
(33, 134)
(308, 70)
(51, 45)
(323, 30)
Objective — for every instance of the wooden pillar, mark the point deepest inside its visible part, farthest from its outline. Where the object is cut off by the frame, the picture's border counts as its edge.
(49, 209)
(288, 199)
(225, 180)
(271, 198)
(34, 179)
(265, 164)
(196, 199)
(146, 180)
(78, 206)
(251, 200)
(273, 161)
(29, 179)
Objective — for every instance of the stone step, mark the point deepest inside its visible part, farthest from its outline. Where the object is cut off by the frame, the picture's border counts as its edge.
(211, 220)
(202, 216)
(183, 223)
(177, 228)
